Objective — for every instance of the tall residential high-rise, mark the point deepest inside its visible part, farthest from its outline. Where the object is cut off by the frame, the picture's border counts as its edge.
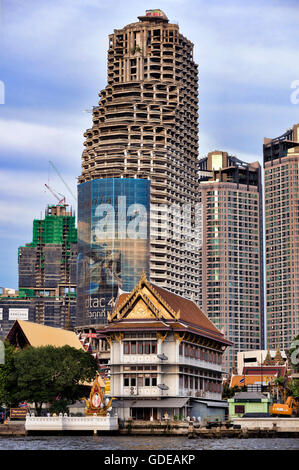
(138, 186)
(281, 166)
(47, 274)
(232, 250)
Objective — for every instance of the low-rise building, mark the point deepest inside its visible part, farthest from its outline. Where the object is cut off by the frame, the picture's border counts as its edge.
(258, 370)
(165, 356)
(253, 358)
(97, 345)
(247, 402)
(25, 333)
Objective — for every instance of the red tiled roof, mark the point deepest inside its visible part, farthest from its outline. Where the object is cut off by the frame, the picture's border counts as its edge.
(190, 313)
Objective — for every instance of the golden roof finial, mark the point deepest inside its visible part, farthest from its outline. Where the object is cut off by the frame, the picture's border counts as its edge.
(278, 359)
(143, 275)
(268, 361)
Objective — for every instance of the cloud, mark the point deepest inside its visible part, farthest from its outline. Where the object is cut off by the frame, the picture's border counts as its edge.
(30, 144)
(54, 63)
(23, 196)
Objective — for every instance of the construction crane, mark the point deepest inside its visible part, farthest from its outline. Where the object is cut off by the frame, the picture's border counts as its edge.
(61, 201)
(67, 187)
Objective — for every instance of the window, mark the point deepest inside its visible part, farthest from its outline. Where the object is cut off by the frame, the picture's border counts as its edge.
(239, 409)
(140, 347)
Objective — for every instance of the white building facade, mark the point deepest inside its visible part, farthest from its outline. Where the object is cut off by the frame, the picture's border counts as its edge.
(161, 364)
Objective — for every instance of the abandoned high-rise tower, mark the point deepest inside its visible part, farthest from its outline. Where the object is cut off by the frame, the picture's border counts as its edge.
(140, 169)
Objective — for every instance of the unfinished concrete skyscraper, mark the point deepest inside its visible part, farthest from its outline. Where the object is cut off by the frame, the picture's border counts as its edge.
(142, 146)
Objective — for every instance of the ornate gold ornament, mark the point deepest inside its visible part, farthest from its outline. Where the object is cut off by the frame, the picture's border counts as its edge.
(122, 309)
(96, 404)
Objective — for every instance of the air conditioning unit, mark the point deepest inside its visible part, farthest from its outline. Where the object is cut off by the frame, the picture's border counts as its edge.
(133, 391)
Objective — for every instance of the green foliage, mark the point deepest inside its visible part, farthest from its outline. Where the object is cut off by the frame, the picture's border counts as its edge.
(59, 406)
(229, 392)
(8, 378)
(136, 49)
(294, 386)
(279, 381)
(47, 374)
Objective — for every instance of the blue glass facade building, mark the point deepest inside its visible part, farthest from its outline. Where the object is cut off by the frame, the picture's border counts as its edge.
(113, 243)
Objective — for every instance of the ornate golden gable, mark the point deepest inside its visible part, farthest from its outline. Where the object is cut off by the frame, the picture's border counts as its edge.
(146, 306)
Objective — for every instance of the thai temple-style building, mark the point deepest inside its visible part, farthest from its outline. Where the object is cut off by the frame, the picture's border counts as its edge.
(165, 356)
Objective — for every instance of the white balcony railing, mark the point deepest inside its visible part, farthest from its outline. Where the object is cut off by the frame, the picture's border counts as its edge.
(199, 363)
(144, 392)
(199, 394)
(140, 359)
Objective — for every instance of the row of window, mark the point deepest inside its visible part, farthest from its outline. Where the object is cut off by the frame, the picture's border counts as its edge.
(140, 347)
(196, 383)
(140, 381)
(196, 352)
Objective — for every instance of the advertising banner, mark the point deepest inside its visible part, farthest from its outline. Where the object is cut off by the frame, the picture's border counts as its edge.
(18, 314)
(113, 242)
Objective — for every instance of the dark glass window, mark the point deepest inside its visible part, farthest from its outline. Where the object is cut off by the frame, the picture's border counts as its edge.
(133, 381)
(239, 409)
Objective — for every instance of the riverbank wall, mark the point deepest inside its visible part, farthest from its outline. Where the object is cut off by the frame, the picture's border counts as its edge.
(239, 428)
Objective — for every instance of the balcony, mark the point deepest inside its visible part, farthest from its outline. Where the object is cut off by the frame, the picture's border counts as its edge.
(199, 394)
(199, 363)
(140, 359)
(143, 392)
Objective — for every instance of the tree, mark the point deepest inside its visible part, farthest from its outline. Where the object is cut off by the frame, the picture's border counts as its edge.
(48, 374)
(229, 392)
(8, 383)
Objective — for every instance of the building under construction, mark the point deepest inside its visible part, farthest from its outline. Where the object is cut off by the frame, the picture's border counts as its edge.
(47, 274)
(142, 146)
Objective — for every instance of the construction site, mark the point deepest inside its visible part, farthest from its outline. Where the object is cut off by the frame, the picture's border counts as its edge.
(46, 273)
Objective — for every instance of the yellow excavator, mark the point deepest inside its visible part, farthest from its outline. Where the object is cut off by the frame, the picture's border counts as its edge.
(289, 407)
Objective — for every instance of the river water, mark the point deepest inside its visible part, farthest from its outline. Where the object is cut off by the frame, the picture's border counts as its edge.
(137, 443)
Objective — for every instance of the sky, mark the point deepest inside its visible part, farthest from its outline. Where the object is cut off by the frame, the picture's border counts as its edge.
(53, 57)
